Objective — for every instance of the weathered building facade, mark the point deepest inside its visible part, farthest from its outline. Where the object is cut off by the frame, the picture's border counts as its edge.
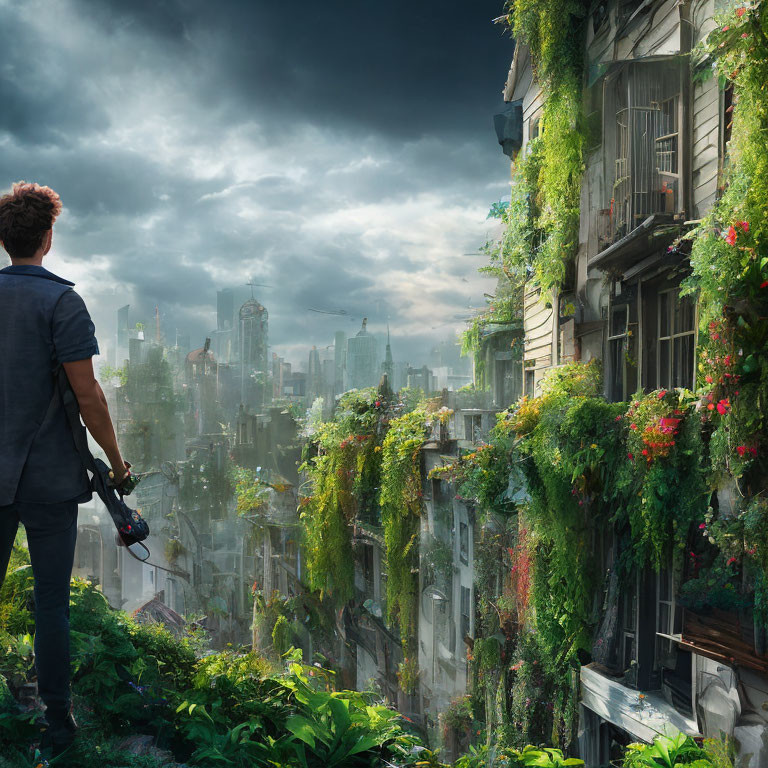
(653, 165)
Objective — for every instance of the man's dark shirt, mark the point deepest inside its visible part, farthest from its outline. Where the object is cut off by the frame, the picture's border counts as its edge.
(43, 322)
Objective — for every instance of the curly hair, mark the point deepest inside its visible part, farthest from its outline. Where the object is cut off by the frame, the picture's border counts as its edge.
(27, 212)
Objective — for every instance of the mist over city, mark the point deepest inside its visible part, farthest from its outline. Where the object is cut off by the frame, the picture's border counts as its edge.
(199, 148)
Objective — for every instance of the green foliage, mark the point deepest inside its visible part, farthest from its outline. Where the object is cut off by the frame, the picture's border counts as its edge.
(343, 479)
(251, 494)
(730, 248)
(667, 752)
(554, 32)
(401, 506)
(408, 674)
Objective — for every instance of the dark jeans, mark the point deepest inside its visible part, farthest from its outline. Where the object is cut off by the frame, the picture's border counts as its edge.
(51, 535)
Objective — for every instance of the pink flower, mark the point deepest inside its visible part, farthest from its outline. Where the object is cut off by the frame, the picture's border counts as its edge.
(633, 426)
(744, 225)
(618, 418)
(744, 35)
(702, 526)
(730, 238)
(726, 28)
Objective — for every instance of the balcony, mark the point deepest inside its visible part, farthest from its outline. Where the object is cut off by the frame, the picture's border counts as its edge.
(642, 156)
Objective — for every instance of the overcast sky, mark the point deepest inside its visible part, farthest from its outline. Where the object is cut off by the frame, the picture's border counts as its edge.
(342, 153)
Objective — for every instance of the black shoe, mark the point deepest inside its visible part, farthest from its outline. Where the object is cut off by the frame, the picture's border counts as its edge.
(58, 736)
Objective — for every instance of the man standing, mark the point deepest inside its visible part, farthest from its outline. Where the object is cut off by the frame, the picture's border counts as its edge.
(44, 323)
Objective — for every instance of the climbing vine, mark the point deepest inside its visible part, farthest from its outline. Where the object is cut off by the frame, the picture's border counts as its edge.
(401, 506)
(342, 481)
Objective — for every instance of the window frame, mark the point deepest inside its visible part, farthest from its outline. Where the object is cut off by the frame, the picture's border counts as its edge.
(672, 337)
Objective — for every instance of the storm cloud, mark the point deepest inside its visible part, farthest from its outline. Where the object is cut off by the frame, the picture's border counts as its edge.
(341, 153)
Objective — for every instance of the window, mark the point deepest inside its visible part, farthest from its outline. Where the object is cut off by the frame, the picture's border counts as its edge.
(466, 599)
(464, 543)
(644, 173)
(367, 568)
(628, 643)
(472, 427)
(665, 616)
(617, 352)
(530, 380)
(675, 340)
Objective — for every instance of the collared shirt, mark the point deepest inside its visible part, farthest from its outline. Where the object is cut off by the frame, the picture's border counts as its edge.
(43, 322)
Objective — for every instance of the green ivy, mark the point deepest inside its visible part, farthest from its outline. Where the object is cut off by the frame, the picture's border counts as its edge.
(401, 506)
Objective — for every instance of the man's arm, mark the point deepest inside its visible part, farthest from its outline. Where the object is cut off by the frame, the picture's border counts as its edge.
(95, 413)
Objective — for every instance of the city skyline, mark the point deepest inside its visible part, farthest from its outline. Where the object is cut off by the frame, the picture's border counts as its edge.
(353, 180)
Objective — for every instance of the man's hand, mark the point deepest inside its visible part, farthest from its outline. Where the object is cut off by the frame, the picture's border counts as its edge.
(124, 481)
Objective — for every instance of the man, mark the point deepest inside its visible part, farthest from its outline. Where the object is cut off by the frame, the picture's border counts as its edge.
(44, 323)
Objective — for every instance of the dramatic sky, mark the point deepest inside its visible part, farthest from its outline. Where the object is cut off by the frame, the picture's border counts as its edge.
(342, 153)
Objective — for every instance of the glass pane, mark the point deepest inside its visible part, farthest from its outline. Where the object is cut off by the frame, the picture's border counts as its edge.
(629, 651)
(663, 623)
(663, 376)
(683, 361)
(664, 302)
(618, 320)
(665, 584)
(616, 383)
(685, 312)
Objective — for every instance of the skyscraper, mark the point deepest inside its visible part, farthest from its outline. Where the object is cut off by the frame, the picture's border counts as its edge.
(254, 327)
(314, 377)
(339, 361)
(362, 360)
(388, 366)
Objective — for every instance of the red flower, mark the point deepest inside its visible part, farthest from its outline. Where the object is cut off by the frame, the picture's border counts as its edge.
(710, 407)
(726, 28)
(378, 403)
(645, 451)
(730, 238)
(731, 561)
(702, 526)
(618, 418)
(744, 225)
(744, 35)
(740, 12)
(753, 451)
(764, 284)
(633, 426)
(708, 379)
(741, 449)
(630, 456)
(662, 394)
(722, 407)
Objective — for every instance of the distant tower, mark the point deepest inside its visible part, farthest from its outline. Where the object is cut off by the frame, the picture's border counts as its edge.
(254, 326)
(339, 361)
(225, 309)
(388, 366)
(314, 376)
(362, 360)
